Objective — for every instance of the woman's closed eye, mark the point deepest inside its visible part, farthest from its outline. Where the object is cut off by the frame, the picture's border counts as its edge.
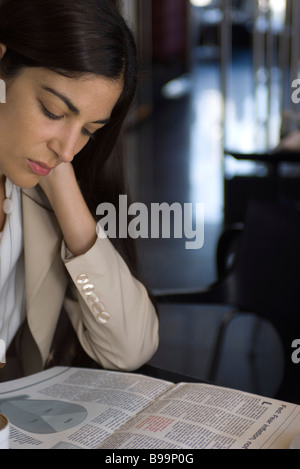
(49, 114)
(54, 117)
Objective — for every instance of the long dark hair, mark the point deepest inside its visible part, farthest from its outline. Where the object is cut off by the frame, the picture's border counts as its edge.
(74, 38)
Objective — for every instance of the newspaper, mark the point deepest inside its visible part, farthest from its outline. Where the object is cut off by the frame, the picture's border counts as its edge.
(74, 408)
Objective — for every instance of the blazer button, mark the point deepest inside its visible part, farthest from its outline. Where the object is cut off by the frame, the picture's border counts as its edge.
(93, 298)
(88, 289)
(103, 317)
(82, 279)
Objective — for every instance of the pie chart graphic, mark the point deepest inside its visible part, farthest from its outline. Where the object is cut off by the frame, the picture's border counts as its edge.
(42, 416)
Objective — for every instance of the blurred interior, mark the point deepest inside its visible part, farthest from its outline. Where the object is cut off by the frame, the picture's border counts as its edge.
(215, 87)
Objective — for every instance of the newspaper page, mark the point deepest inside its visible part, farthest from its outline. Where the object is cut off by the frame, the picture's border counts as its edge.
(73, 408)
(201, 416)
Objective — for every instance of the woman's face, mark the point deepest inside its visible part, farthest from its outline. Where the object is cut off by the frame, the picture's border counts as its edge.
(48, 118)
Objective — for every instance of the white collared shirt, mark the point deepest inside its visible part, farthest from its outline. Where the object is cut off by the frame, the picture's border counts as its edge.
(12, 285)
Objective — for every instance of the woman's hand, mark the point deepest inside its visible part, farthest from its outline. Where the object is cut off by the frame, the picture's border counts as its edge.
(62, 176)
(76, 222)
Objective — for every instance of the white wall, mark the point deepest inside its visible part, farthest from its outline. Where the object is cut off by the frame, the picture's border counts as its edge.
(129, 11)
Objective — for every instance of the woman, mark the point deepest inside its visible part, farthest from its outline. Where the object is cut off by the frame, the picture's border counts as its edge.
(70, 74)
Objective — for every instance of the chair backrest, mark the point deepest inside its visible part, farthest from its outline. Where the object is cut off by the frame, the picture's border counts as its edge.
(266, 275)
(265, 279)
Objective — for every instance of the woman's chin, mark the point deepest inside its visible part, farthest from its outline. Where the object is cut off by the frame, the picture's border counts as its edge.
(26, 183)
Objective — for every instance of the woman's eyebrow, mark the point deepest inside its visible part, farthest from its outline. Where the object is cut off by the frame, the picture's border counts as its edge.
(70, 105)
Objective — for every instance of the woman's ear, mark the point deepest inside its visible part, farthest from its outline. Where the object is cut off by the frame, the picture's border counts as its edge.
(2, 50)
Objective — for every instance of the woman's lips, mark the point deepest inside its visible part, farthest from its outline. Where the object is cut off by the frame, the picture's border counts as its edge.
(38, 168)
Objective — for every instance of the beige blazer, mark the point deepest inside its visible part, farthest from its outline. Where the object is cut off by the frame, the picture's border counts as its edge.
(110, 310)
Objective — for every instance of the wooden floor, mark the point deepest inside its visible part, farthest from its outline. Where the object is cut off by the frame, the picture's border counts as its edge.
(179, 159)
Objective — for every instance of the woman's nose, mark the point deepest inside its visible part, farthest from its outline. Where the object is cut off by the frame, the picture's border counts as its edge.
(65, 146)
(66, 154)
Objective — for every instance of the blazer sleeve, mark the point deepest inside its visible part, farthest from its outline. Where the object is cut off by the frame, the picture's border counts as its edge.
(110, 310)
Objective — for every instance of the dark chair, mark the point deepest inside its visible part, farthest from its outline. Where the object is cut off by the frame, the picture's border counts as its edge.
(274, 186)
(264, 279)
